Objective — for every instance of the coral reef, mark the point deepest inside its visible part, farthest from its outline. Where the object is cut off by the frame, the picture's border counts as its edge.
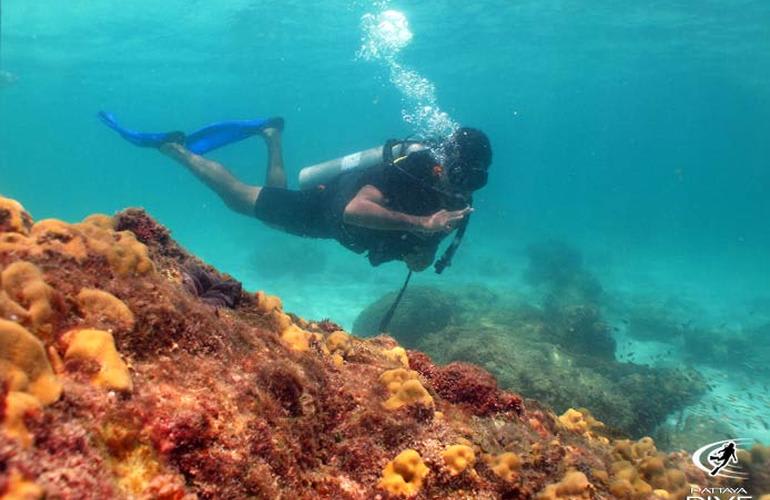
(182, 400)
(757, 461)
(561, 358)
(458, 457)
(404, 475)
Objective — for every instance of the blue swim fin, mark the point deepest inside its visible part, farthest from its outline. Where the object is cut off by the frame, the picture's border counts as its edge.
(143, 139)
(201, 141)
(221, 134)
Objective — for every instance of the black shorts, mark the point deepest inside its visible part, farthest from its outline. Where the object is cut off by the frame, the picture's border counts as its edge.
(303, 213)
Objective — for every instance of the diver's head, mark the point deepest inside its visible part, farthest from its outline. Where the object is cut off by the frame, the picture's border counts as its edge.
(468, 156)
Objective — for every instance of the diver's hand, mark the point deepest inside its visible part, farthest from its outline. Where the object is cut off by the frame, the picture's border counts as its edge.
(444, 221)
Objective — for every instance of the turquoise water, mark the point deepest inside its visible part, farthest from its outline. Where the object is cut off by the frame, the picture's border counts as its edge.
(637, 133)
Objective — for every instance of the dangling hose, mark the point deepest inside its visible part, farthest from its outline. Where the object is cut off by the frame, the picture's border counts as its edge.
(389, 315)
(444, 262)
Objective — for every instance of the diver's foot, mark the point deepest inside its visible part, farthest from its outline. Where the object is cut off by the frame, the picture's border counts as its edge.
(173, 149)
(177, 138)
(272, 128)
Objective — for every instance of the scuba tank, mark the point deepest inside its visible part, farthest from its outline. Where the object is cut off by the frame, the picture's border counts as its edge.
(321, 173)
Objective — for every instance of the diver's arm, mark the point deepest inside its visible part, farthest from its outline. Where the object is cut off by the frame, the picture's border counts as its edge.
(367, 209)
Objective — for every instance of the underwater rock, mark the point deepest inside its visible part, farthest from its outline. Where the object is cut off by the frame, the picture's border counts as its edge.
(183, 401)
(692, 432)
(557, 270)
(563, 358)
(651, 319)
(748, 347)
(423, 310)
(580, 329)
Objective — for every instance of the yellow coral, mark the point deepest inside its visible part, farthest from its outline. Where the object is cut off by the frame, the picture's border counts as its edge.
(506, 465)
(21, 489)
(280, 320)
(404, 474)
(639, 470)
(338, 342)
(296, 338)
(573, 420)
(27, 374)
(125, 254)
(97, 305)
(100, 220)
(95, 235)
(397, 355)
(60, 237)
(17, 405)
(268, 303)
(14, 243)
(24, 365)
(582, 422)
(131, 256)
(99, 346)
(133, 463)
(574, 485)
(404, 389)
(13, 217)
(458, 457)
(23, 284)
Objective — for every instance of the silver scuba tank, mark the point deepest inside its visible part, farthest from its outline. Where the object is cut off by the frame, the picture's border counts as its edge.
(321, 173)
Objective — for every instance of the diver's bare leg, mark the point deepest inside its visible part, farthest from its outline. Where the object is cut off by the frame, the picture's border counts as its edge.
(238, 196)
(276, 176)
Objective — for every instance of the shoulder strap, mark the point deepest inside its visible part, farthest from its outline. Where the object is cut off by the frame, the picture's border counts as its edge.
(404, 144)
(387, 151)
(446, 259)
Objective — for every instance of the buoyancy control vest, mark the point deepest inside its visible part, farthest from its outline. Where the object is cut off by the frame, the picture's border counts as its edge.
(390, 153)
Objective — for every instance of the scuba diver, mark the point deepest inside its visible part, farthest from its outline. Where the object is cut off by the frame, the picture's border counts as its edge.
(395, 202)
(725, 455)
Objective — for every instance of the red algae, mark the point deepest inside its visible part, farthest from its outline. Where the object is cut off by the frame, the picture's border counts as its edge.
(222, 407)
(467, 385)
